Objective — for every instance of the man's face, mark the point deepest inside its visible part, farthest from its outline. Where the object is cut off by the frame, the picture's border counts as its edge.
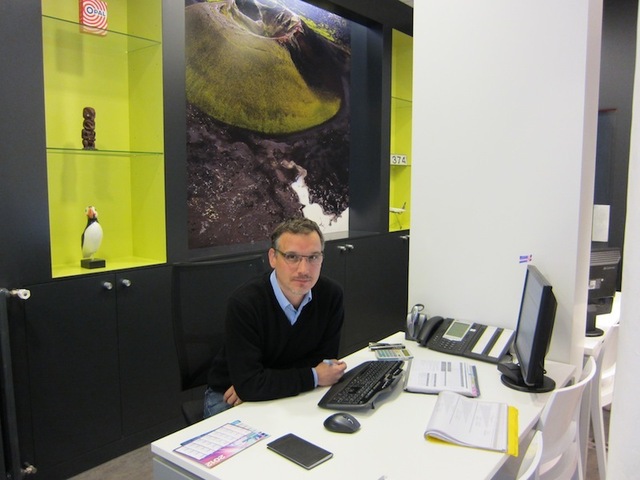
(296, 279)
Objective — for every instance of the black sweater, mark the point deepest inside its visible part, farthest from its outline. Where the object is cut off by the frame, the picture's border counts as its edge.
(264, 356)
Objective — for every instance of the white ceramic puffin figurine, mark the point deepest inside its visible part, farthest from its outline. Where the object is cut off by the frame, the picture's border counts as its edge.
(92, 235)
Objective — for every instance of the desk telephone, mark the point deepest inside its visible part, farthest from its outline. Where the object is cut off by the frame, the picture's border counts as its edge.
(468, 339)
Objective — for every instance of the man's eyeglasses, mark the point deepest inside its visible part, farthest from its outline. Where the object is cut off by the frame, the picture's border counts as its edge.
(294, 258)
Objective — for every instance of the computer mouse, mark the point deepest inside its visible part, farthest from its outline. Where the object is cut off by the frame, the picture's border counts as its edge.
(341, 422)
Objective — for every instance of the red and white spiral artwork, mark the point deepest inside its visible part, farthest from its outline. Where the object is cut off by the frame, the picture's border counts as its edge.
(93, 17)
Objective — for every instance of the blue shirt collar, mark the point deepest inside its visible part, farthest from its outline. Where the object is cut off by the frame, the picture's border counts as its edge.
(288, 309)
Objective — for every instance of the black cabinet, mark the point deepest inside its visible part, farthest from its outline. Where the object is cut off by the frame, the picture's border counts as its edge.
(72, 342)
(149, 376)
(101, 364)
(373, 271)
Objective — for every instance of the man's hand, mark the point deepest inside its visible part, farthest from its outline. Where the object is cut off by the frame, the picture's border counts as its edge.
(231, 397)
(329, 372)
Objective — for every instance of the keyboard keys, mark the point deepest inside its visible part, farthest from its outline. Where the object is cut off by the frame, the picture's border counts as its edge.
(361, 385)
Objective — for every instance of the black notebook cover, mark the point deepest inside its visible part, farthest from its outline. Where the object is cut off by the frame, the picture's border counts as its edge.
(299, 450)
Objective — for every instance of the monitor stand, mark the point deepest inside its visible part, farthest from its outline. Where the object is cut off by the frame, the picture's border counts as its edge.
(547, 385)
(512, 378)
(592, 330)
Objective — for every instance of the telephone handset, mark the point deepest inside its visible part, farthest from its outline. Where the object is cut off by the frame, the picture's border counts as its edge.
(428, 329)
(415, 321)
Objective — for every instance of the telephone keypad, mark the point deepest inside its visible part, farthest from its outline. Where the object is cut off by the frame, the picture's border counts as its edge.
(456, 347)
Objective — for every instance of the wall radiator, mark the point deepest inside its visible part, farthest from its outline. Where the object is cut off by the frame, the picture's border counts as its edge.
(12, 467)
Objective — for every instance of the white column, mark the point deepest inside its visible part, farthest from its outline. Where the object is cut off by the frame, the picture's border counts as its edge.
(624, 461)
(505, 117)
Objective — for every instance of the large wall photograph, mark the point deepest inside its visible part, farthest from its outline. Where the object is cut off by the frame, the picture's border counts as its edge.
(268, 118)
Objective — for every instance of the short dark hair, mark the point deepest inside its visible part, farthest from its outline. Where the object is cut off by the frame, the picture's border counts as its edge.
(296, 226)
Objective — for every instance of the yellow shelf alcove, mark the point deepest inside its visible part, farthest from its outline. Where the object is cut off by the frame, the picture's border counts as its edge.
(401, 125)
(119, 74)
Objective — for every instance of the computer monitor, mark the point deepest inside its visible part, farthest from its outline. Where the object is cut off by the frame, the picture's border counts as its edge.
(603, 283)
(533, 335)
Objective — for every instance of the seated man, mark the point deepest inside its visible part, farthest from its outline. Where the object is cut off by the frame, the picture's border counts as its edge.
(282, 329)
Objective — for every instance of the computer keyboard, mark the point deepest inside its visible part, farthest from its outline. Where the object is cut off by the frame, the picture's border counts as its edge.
(362, 385)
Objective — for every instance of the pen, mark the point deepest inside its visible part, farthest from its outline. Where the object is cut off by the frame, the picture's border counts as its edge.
(385, 346)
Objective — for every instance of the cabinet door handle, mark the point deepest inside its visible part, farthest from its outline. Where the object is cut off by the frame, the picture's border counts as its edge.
(404, 237)
(349, 246)
(107, 285)
(125, 282)
(342, 248)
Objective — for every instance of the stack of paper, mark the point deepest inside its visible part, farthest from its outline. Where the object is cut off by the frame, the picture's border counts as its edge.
(474, 423)
(434, 376)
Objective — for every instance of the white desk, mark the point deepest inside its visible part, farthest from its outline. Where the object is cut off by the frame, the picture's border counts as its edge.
(390, 443)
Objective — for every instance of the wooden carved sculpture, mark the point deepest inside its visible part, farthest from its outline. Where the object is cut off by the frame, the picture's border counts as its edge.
(88, 128)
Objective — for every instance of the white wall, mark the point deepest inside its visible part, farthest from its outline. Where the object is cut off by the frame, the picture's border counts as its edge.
(505, 112)
(624, 461)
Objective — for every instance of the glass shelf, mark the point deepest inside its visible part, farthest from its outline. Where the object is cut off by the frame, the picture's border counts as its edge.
(60, 30)
(397, 102)
(108, 153)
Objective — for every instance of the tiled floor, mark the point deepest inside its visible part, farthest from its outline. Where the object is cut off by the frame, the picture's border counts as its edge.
(135, 465)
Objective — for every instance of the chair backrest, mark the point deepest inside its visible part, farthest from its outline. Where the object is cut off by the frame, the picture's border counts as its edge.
(530, 466)
(559, 424)
(607, 364)
(201, 291)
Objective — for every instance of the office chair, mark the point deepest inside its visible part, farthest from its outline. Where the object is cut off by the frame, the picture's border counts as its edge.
(530, 466)
(602, 394)
(560, 427)
(201, 291)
